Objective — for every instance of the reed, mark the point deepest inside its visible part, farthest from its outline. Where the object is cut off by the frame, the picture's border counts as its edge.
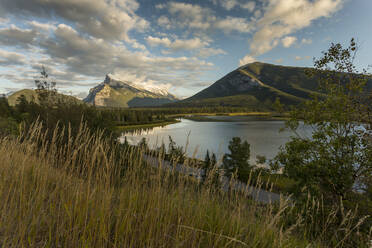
(85, 190)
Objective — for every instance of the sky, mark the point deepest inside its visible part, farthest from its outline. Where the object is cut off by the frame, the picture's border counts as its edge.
(182, 45)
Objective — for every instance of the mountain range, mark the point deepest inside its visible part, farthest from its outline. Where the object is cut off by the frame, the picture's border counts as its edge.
(255, 86)
(115, 93)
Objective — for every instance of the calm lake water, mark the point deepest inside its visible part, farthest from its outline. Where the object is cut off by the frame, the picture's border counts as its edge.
(262, 134)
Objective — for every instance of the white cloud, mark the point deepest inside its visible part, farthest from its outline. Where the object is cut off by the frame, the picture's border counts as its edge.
(283, 17)
(75, 59)
(191, 15)
(198, 18)
(164, 22)
(155, 41)
(230, 24)
(201, 47)
(249, 6)
(302, 58)
(190, 44)
(14, 36)
(109, 19)
(178, 44)
(231, 4)
(306, 41)
(279, 61)
(137, 45)
(246, 60)
(257, 13)
(42, 26)
(288, 41)
(210, 51)
(11, 58)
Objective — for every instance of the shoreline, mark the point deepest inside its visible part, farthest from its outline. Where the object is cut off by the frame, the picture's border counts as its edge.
(141, 126)
(200, 117)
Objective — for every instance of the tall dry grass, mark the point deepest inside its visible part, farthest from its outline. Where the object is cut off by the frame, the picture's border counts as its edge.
(85, 190)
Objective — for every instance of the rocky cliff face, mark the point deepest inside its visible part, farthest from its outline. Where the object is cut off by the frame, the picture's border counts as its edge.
(116, 93)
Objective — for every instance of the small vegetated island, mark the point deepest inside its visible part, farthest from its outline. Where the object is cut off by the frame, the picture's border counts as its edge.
(65, 180)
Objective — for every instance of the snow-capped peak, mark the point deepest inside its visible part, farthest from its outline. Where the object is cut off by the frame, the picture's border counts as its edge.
(148, 86)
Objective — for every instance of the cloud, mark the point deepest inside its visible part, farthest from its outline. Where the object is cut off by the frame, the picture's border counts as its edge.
(14, 36)
(42, 26)
(306, 41)
(283, 17)
(231, 4)
(195, 17)
(191, 15)
(11, 58)
(202, 47)
(230, 24)
(210, 51)
(228, 4)
(288, 41)
(247, 60)
(279, 61)
(302, 58)
(164, 22)
(155, 41)
(109, 19)
(249, 6)
(91, 58)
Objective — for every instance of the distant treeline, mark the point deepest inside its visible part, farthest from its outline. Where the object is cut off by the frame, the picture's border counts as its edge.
(66, 113)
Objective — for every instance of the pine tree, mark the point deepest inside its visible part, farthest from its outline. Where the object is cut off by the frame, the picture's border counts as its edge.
(207, 160)
(213, 160)
(237, 159)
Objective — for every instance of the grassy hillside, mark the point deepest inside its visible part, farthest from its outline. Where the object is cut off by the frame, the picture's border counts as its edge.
(92, 193)
(257, 85)
(31, 95)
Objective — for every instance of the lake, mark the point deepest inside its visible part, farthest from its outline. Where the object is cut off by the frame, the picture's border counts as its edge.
(197, 137)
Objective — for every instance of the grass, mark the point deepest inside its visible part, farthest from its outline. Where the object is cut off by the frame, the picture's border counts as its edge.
(88, 191)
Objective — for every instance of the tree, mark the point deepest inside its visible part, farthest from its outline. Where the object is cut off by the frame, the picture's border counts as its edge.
(176, 153)
(207, 160)
(125, 143)
(213, 160)
(336, 162)
(260, 159)
(237, 159)
(143, 144)
(46, 89)
(22, 103)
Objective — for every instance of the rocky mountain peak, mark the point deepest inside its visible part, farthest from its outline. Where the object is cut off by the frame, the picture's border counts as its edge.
(108, 79)
(114, 92)
(115, 83)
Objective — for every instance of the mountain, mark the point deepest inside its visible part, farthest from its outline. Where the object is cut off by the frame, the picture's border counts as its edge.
(116, 93)
(31, 95)
(256, 86)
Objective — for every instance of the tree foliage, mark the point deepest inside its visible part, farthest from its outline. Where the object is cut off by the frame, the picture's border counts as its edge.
(337, 159)
(335, 163)
(237, 159)
(46, 88)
